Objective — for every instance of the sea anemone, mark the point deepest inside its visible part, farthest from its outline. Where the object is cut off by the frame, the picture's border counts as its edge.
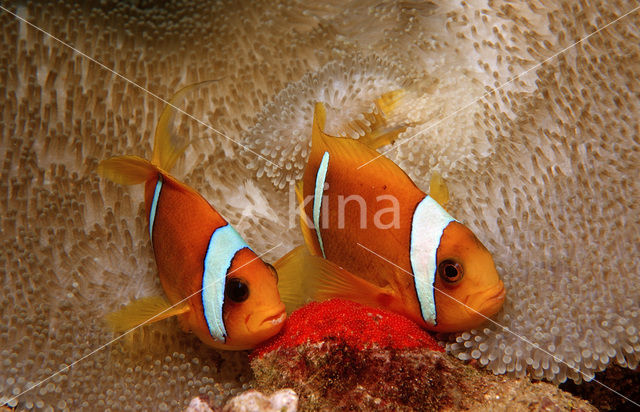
(543, 169)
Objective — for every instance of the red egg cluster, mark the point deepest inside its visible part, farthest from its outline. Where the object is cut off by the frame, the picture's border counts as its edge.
(356, 325)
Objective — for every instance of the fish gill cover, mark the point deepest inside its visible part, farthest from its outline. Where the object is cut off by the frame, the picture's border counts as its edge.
(544, 169)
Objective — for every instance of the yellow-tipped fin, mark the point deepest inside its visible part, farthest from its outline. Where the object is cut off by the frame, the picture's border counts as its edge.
(438, 189)
(293, 282)
(127, 170)
(388, 102)
(141, 311)
(331, 281)
(168, 147)
(380, 132)
(304, 277)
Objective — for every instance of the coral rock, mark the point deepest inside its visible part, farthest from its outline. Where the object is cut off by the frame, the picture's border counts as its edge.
(198, 405)
(340, 354)
(284, 400)
(333, 375)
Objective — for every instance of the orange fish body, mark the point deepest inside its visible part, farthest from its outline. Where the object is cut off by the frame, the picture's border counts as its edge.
(402, 249)
(217, 286)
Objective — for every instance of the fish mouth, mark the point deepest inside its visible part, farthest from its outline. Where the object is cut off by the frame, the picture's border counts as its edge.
(276, 319)
(488, 302)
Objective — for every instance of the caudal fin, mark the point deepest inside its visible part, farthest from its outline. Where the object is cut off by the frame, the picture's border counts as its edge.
(381, 131)
(348, 150)
(167, 146)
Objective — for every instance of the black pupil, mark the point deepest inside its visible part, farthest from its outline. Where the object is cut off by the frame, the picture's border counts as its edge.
(237, 290)
(450, 271)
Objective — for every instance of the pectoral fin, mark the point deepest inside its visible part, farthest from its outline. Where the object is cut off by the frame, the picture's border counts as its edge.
(332, 281)
(143, 311)
(304, 277)
(293, 278)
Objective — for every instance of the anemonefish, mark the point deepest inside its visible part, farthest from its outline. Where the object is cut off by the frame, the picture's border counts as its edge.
(391, 245)
(216, 285)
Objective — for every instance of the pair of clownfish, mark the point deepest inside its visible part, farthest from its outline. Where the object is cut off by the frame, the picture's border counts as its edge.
(427, 266)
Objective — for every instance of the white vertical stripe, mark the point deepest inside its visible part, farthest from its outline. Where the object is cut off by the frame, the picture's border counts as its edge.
(321, 176)
(154, 207)
(225, 242)
(428, 224)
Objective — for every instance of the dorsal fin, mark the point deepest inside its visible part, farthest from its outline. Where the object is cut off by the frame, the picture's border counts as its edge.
(438, 189)
(127, 170)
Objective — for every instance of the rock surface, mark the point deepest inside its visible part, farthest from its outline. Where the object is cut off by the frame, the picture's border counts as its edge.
(284, 400)
(624, 381)
(333, 375)
(199, 405)
(340, 354)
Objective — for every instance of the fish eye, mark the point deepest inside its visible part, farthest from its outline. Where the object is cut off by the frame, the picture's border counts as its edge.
(450, 271)
(237, 290)
(273, 271)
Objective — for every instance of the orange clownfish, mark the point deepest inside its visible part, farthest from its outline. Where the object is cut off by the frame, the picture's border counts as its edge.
(390, 244)
(216, 285)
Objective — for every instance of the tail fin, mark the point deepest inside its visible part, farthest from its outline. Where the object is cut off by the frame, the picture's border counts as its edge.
(167, 146)
(127, 170)
(352, 150)
(380, 131)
